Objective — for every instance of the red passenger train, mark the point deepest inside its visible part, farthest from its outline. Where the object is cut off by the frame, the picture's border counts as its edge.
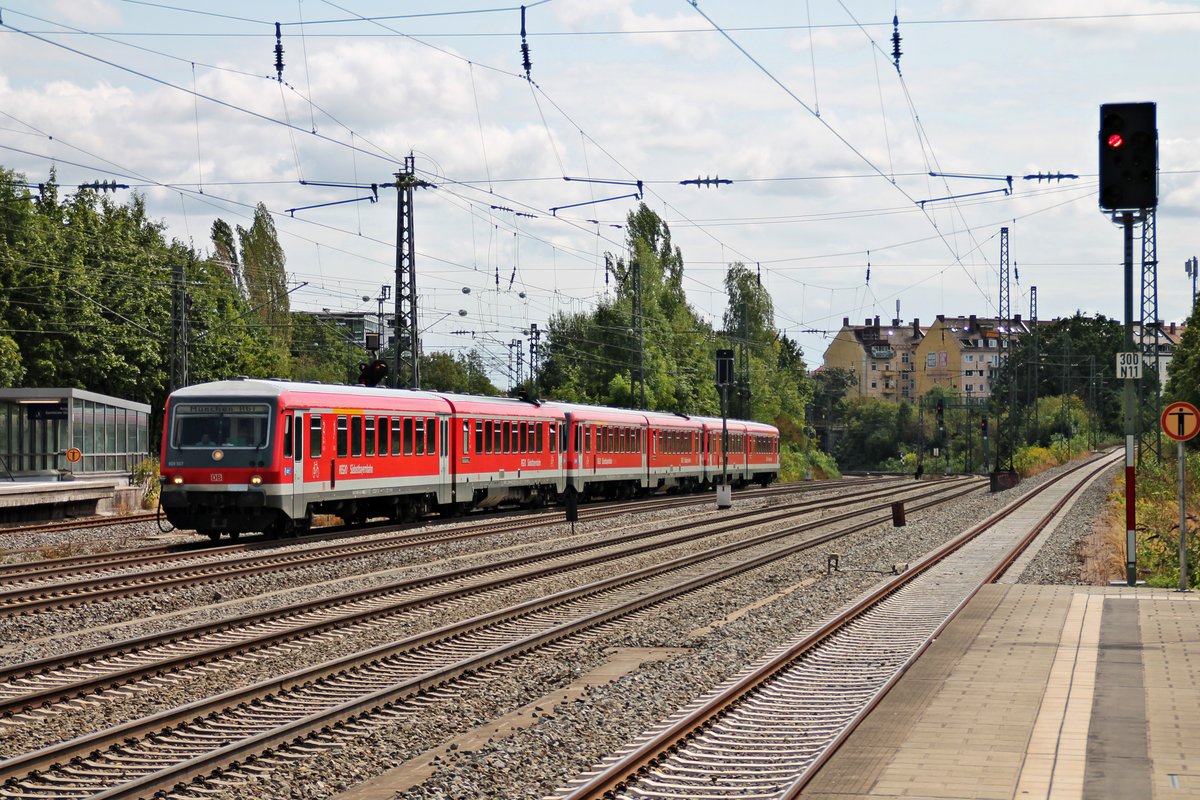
(257, 455)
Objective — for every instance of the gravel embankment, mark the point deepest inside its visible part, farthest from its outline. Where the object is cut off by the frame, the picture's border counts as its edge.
(792, 596)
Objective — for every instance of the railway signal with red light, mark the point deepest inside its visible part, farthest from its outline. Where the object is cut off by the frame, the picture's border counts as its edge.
(983, 426)
(372, 373)
(1128, 156)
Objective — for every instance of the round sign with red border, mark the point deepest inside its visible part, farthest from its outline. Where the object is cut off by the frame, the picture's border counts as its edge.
(1180, 421)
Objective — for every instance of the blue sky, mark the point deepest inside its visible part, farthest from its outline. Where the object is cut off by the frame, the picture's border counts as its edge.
(626, 91)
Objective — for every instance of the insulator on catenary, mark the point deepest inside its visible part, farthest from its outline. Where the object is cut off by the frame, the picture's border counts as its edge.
(278, 54)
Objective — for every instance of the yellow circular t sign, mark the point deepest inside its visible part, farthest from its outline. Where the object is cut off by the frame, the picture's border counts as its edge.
(74, 454)
(1180, 421)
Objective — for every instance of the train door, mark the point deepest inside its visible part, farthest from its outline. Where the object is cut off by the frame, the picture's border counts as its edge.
(294, 504)
(445, 479)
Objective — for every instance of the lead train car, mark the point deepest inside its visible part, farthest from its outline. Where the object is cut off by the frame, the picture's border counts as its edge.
(256, 455)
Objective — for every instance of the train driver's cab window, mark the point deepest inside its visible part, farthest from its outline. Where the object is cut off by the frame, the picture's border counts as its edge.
(230, 426)
(314, 436)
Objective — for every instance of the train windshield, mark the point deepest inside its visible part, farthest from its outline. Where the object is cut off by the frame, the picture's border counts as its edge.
(226, 426)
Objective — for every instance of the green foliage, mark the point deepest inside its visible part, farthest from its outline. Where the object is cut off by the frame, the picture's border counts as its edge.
(262, 264)
(876, 431)
(796, 464)
(1158, 521)
(145, 475)
(11, 369)
(593, 357)
(1069, 352)
(463, 374)
(1183, 373)
(323, 351)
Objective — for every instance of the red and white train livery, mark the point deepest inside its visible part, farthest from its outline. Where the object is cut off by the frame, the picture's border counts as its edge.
(259, 455)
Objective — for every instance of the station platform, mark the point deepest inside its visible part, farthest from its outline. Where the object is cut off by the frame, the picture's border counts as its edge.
(1037, 692)
(34, 501)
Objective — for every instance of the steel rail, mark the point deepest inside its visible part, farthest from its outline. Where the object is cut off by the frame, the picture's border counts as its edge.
(119, 559)
(41, 760)
(672, 737)
(41, 597)
(42, 670)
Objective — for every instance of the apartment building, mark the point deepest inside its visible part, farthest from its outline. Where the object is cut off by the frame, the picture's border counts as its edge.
(964, 354)
(882, 357)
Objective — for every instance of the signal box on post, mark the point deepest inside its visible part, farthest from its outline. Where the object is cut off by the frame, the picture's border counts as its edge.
(1128, 156)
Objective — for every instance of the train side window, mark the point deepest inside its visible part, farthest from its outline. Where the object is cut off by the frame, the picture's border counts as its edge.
(506, 443)
(314, 437)
(382, 430)
(343, 444)
(489, 436)
(587, 438)
(419, 436)
(523, 437)
(654, 443)
(408, 436)
(553, 437)
(539, 437)
(370, 436)
(396, 438)
(356, 430)
(497, 441)
(466, 438)
(478, 436)
(431, 436)
(287, 436)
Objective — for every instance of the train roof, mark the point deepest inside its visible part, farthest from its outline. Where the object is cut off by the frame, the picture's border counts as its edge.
(601, 413)
(481, 404)
(337, 393)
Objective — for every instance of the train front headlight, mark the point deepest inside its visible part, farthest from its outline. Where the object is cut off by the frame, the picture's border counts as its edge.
(255, 480)
(177, 480)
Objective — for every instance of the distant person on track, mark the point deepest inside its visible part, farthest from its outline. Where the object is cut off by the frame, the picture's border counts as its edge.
(920, 471)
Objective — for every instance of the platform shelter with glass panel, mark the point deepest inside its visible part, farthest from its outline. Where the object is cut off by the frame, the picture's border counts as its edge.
(38, 427)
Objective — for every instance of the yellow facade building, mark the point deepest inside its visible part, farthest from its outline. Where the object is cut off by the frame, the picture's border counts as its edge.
(882, 357)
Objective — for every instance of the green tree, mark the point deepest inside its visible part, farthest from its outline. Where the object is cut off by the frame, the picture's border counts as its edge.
(262, 262)
(1067, 350)
(1183, 373)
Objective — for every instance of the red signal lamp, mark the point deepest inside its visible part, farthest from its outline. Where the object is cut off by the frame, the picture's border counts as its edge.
(1115, 140)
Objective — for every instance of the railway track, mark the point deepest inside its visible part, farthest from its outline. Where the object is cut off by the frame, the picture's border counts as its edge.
(201, 548)
(26, 687)
(766, 733)
(315, 707)
(32, 587)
